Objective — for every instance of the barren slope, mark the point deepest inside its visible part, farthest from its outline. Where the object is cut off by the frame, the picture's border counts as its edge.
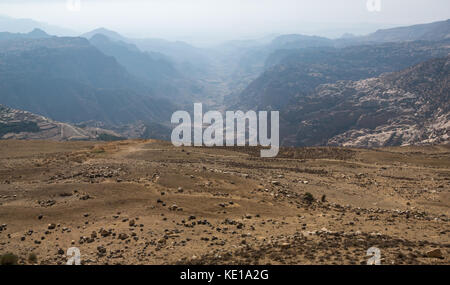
(121, 203)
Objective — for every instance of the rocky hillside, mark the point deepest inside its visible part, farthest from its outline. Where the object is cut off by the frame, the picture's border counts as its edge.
(298, 72)
(68, 79)
(153, 69)
(403, 108)
(17, 124)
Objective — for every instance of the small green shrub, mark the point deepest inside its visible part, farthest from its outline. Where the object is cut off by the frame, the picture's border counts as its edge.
(109, 138)
(32, 258)
(98, 151)
(308, 197)
(18, 127)
(9, 259)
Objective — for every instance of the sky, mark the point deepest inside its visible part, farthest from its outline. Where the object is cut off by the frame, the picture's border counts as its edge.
(217, 20)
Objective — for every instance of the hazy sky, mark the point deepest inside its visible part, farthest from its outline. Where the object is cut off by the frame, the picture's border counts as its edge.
(227, 19)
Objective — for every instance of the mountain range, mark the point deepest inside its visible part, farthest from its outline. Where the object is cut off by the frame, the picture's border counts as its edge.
(18, 124)
(328, 91)
(294, 80)
(290, 74)
(70, 80)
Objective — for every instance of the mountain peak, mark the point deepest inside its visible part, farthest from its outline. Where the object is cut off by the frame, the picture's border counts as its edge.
(112, 35)
(38, 33)
(99, 37)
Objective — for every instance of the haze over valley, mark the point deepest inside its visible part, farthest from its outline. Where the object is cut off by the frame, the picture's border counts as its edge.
(131, 86)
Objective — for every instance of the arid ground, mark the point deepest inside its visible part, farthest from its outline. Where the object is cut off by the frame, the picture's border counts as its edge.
(147, 202)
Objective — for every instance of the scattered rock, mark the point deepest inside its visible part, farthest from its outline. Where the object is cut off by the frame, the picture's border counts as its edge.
(46, 203)
(435, 253)
(85, 197)
(123, 236)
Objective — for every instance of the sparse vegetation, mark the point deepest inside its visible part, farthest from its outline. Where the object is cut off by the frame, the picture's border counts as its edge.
(9, 259)
(109, 138)
(18, 127)
(98, 150)
(308, 197)
(32, 258)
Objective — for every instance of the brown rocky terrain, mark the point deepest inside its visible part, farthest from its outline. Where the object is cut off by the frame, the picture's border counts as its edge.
(146, 202)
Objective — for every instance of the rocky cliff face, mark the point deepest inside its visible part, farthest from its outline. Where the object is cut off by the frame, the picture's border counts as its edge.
(407, 107)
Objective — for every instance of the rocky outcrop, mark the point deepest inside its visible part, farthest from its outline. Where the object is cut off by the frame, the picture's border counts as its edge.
(404, 108)
(18, 124)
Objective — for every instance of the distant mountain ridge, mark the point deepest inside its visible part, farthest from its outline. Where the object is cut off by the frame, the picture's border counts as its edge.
(133, 85)
(112, 35)
(313, 87)
(14, 25)
(154, 69)
(68, 79)
(181, 53)
(435, 31)
(258, 59)
(145, 65)
(299, 72)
